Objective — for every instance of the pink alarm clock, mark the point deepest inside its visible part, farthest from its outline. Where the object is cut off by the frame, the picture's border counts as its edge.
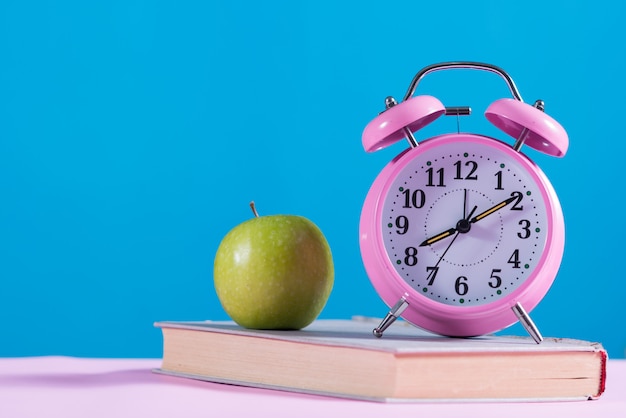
(462, 234)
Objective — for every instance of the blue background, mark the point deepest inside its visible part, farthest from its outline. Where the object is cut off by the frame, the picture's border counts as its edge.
(133, 134)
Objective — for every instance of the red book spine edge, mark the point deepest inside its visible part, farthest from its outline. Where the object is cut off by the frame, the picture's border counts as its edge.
(603, 360)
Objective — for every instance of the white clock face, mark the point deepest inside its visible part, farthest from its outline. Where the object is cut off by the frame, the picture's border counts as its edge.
(464, 223)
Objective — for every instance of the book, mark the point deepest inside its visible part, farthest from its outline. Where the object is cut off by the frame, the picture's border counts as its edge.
(342, 358)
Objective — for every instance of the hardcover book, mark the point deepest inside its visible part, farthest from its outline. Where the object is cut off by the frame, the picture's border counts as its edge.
(342, 358)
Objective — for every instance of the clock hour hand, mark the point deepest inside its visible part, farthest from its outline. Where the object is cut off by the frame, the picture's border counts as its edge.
(438, 237)
(493, 209)
(462, 226)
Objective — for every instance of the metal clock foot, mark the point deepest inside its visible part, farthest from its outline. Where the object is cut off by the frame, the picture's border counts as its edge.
(391, 316)
(527, 323)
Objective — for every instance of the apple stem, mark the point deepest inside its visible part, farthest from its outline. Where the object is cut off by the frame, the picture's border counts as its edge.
(256, 214)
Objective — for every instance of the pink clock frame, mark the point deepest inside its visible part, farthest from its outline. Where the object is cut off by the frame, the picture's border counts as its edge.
(446, 319)
(528, 125)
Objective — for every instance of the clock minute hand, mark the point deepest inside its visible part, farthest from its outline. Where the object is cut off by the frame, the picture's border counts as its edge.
(493, 209)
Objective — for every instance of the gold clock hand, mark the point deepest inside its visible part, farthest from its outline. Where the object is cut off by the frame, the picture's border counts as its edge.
(438, 237)
(492, 209)
(462, 226)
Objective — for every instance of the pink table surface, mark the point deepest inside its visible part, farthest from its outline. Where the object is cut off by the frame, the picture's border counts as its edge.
(79, 387)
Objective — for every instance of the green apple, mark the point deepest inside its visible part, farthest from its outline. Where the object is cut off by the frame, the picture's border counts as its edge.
(274, 272)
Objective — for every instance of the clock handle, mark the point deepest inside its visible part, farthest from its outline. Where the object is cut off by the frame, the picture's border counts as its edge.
(471, 65)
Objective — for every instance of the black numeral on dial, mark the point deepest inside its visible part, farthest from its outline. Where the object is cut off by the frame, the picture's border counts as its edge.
(415, 199)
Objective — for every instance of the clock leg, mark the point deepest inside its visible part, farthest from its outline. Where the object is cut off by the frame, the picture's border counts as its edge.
(527, 323)
(391, 316)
